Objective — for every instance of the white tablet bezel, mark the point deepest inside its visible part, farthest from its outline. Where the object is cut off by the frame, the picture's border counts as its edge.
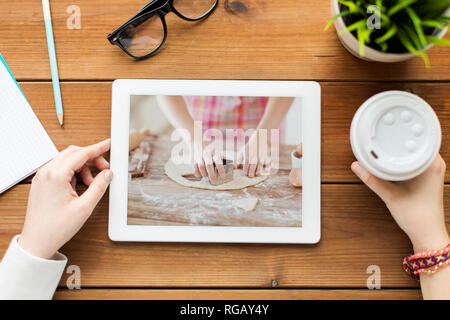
(310, 94)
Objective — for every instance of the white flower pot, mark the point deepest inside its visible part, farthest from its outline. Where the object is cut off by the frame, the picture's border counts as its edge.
(349, 41)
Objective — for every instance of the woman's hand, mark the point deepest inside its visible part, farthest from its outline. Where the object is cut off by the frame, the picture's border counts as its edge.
(255, 161)
(416, 205)
(55, 211)
(212, 158)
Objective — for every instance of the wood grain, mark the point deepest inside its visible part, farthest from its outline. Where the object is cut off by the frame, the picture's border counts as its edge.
(87, 113)
(229, 294)
(357, 231)
(271, 40)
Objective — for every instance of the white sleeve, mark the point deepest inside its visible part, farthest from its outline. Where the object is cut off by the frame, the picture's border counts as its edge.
(26, 277)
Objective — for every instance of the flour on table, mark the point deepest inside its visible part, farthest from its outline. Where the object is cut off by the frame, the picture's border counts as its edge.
(248, 204)
(177, 172)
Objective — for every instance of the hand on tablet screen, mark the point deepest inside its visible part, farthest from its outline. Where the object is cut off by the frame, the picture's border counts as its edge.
(55, 211)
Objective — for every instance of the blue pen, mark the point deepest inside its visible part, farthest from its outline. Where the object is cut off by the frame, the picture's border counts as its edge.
(53, 64)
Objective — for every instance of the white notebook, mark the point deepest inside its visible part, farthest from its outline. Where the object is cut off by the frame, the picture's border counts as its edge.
(24, 144)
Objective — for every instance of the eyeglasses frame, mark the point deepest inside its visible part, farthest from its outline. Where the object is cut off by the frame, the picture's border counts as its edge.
(155, 7)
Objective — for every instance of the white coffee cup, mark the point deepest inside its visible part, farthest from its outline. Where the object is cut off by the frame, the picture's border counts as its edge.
(395, 135)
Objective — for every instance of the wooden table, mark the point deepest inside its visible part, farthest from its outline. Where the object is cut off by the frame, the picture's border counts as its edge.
(269, 40)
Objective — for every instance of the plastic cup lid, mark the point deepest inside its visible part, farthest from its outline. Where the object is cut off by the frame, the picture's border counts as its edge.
(395, 135)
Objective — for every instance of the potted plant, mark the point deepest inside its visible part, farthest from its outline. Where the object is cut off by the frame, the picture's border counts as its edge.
(390, 30)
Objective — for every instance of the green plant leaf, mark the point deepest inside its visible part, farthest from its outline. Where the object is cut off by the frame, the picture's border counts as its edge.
(408, 46)
(444, 19)
(431, 9)
(342, 14)
(433, 24)
(412, 36)
(362, 45)
(385, 20)
(417, 25)
(380, 5)
(352, 6)
(438, 41)
(354, 26)
(366, 34)
(389, 34)
(400, 6)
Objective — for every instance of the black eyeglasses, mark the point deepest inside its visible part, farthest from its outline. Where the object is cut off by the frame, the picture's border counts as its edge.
(145, 33)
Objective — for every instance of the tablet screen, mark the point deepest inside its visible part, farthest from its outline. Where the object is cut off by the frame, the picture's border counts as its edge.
(215, 161)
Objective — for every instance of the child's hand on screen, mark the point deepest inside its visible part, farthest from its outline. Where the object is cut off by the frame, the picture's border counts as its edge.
(416, 205)
(212, 157)
(55, 211)
(254, 160)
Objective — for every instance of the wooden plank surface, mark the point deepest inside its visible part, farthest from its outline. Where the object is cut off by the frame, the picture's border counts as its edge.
(205, 294)
(154, 199)
(357, 232)
(87, 116)
(267, 40)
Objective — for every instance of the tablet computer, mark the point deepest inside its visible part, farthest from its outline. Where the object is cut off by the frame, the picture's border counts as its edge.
(215, 161)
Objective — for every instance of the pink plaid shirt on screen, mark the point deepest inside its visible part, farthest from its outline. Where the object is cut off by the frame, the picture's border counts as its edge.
(227, 112)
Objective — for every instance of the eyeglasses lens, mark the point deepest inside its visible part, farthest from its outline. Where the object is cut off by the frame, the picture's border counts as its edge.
(193, 9)
(142, 37)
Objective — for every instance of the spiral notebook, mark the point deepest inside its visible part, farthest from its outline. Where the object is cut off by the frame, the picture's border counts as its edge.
(24, 144)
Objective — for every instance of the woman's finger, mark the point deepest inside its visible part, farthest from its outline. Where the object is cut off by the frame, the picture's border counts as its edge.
(246, 164)
(100, 163)
(73, 183)
(267, 166)
(211, 173)
(202, 168)
(86, 175)
(218, 162)
(61, 157)
(381, 187)
(197, 173)
(210, 169)
(69, 150)
(252, 168)
(74, 161)
(239, 160)
(208, 160)
(246, 168)
(90, 198)
(259, 168)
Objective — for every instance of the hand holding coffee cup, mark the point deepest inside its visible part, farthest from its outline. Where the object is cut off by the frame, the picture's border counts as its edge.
(395, 135)
(405, 169)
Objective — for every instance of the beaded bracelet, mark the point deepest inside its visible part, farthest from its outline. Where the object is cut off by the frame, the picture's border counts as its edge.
(427, 261)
